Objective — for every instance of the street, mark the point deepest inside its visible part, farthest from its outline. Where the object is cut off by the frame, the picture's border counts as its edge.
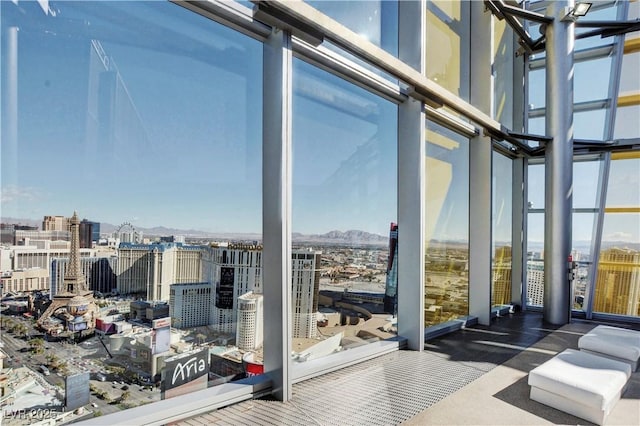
(86, 356)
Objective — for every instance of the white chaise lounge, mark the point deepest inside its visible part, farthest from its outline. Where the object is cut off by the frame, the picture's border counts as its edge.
(613, 342)
(579, 383)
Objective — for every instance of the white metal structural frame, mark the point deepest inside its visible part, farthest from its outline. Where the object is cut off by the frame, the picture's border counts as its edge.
(276, 209)
(614, 50)
(415, 89)
(481, 94)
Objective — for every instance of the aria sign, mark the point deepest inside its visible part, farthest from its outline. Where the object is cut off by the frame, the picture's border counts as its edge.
(185, 369)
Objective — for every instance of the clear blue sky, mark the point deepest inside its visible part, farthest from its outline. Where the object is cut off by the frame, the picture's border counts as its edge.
(168, 133)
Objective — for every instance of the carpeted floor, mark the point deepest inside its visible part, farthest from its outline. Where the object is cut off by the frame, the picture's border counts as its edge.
(501, 396)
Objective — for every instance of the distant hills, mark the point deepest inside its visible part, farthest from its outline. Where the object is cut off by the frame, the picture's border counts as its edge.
(331, 237)
(340, 237)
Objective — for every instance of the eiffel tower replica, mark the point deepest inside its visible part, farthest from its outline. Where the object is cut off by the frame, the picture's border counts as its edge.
(74, 299)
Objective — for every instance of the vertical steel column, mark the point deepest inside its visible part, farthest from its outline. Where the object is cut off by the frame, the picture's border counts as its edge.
(480, 162)
(411, 182)
(519, 233)
(558, 163)
(276, 210)
(10, 107)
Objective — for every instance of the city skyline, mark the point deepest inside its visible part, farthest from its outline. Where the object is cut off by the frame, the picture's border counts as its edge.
(191, 151)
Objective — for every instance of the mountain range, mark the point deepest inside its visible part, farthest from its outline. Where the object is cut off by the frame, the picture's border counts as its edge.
(335, 236)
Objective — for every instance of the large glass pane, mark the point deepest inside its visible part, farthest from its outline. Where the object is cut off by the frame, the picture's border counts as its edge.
(536, 127)
(447, 226)
(344, 200)
(618, 279)
(600, 11)
(502, 232)
(627, 124)
(374, 20)
(145, 118)
(535, 186)
(503, 72)
(629, 81)
(624, 181)
(448, 44)
(582, 235)
(535, 259)
(537, 89)
(589, 124)
(585, 183)
(587, 88)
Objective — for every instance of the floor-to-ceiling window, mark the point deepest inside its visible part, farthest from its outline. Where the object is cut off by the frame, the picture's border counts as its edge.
(146, 114)
(502, 221)
(586, 185)
(447, 225)
(535, 235)
(617, 287)
(447, 169)
(344, 205)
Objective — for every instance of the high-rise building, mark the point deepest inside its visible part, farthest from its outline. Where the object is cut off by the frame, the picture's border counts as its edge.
(25, 280)
(236, 269)
(24, 236)
(99, 270)
(535, 282)
(8, 232)
(305, 292)
(501, 288)
(233, 270)
(149, 269)
(190, 304)
(399, 110)
(618, 282)
(89, 233)
(391, 285)
(249, 335)
(55, 223)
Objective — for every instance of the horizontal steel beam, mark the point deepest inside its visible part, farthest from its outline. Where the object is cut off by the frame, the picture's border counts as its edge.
(230, 14)
(350, 41)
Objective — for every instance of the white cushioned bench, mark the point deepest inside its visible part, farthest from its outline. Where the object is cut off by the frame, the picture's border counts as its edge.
(613, 342)
(579, 383)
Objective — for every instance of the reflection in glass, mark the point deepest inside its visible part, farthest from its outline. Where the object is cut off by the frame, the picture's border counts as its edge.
(629, 81)
(145, 118)
(618, 279)
(502, 229)
(627, 124)
(535, 259)
(535, 185)
(344, 198)
(624, 178)
(589, 124)
(582, 235)
(537, 90)
(447, 225)
(447, 45)
(374, 20)
(585, 183)
(602, 11)
(587, 88)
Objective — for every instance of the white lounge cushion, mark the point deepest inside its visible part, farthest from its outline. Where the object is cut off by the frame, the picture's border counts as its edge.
(612, 341)
(589, 379)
